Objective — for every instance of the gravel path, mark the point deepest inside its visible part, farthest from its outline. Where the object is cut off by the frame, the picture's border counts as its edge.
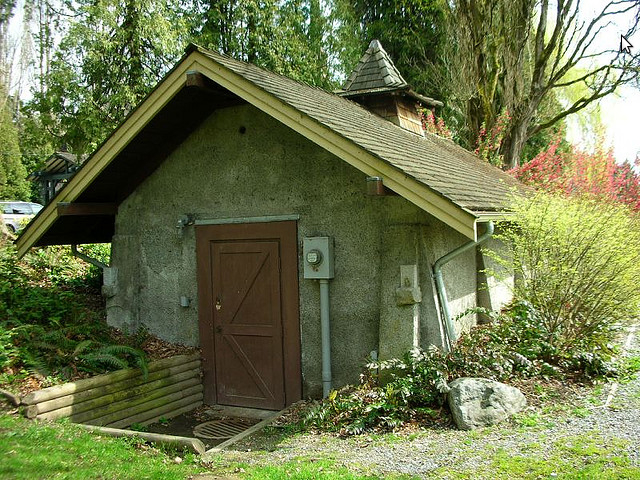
(613, 421)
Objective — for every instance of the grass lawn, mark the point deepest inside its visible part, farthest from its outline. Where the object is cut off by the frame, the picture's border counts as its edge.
(586, 456)
(33, 450)
(39, 450)
(61, 450)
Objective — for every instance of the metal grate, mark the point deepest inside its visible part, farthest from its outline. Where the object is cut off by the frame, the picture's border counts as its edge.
(221, 429)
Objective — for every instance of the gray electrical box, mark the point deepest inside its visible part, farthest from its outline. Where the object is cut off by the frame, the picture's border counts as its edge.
(317, 257)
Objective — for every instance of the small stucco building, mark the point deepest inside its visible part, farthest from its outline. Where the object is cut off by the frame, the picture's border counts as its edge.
(281, 227)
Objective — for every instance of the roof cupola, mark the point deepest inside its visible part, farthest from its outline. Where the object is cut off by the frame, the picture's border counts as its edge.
(377, 85)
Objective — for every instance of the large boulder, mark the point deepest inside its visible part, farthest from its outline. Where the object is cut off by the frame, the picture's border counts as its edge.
(479, 402)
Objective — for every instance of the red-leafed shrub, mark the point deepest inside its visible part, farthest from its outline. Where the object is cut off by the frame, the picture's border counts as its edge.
(435, 125)
(576, 172)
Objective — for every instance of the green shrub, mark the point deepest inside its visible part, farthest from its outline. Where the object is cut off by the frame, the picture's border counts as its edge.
(47, 326)
(57, 265)
(414, 388)
(577, 263)
(513, 346)
(517, 344)
(7, 350)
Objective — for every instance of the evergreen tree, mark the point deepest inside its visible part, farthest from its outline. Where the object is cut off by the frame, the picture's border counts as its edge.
(113, 54)
(13, 175)
(411, 31)
(290, 37)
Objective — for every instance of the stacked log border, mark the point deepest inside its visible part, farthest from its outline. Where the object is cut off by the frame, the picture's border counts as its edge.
(173, 386)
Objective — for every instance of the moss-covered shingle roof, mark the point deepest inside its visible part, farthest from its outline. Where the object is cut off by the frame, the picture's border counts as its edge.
(440, 164)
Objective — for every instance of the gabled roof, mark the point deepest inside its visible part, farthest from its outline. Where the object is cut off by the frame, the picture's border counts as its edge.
(434, 173)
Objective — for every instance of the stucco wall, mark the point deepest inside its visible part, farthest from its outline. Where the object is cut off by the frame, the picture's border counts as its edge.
(262, 169)
(495, 280)
(410, 236)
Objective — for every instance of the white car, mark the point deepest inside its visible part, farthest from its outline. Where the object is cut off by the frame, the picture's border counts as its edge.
(16, 215)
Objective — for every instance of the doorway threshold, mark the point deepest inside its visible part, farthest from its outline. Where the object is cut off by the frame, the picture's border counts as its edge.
(242, 412)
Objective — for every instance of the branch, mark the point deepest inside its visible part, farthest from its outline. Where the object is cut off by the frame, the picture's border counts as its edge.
(587, 38)
(561, 15)
(583, 78)
(562, 50)
(540, 34)
(601, 91)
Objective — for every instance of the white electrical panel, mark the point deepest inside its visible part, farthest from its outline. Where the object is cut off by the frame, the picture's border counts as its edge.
(317, 258)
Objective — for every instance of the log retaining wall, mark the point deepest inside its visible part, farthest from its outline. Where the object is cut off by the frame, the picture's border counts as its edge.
(120, 399)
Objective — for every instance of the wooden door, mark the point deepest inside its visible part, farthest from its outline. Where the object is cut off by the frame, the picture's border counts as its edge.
(248, 314)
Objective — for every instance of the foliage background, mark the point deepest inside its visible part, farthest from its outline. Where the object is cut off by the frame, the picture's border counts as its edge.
(79, 67)
(51, 327)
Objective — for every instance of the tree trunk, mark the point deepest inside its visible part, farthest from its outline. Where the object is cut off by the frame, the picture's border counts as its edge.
(514, 141)
(475, 115)
(6, 11)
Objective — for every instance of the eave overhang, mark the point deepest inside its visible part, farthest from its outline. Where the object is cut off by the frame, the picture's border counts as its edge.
(431, 102)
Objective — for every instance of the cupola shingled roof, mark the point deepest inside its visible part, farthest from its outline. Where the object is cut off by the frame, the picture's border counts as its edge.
(375, 73)
(375, 70)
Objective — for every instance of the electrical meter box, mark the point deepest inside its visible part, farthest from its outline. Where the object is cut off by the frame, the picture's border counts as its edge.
(317, 258)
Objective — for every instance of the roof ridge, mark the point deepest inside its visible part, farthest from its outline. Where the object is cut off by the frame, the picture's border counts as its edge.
(289, 79)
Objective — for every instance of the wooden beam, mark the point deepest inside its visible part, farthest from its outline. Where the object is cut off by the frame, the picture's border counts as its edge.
(204, 83)
(192, 443)
(195, 79)
(86, 209)
(53, 176)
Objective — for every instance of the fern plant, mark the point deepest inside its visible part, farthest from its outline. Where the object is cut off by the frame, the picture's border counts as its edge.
(112, 357)
(7, 349)
(49, 325)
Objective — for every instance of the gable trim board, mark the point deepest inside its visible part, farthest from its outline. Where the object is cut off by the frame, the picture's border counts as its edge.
(394, 177)
(113, 145)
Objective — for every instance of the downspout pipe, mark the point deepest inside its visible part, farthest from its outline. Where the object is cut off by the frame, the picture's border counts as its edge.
(451, 336)
(326, 337)
(87, 258)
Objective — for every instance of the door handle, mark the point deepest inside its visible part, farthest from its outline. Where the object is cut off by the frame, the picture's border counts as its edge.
(218, 303)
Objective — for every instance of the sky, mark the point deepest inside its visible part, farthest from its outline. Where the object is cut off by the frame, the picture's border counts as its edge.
(620, 115)
(619, 112)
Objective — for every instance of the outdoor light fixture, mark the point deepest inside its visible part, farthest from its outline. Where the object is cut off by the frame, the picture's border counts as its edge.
(184, 221)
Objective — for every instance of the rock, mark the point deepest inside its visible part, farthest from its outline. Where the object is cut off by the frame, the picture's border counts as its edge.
(478, 402)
